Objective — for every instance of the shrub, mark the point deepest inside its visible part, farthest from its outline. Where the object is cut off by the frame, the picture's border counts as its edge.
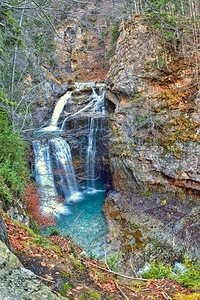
(115, 33)
(191, 277)
(158, 271)
(53, 231)
(113, 261)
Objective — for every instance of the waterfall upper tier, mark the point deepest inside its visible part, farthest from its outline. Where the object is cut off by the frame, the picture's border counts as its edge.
(59, 108)
(53, 128)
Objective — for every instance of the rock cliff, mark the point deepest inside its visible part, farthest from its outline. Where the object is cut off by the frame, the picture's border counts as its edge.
(153, 101)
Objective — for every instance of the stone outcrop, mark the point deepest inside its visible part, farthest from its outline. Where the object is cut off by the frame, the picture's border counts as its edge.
(154, 148)
(17, 283)
(3, 233)
(144, 228)
(155, 126)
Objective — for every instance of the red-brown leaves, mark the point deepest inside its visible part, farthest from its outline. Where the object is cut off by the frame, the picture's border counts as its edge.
(33, 203)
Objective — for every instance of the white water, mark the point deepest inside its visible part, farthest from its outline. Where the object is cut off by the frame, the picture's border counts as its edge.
(53, 165)
(45, 178)
(53, 128)
(59, 108)
(43, 168)
(63, 168)
(92, 139)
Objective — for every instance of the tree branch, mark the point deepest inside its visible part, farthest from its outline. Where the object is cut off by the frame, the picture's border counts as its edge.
(118, 274)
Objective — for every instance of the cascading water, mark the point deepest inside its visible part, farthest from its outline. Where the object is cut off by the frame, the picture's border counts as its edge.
(55, 174)
(63, 170)
(92, 139)
(53, 128)
(53, 164)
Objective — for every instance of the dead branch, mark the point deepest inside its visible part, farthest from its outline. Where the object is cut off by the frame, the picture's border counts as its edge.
(118, 274)
(45, 279)
(123, 294)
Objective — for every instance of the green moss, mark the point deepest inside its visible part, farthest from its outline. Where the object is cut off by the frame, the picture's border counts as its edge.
(90, 295)
(29, 230)
(76, 263)
(193, 296)
(64, 274)
(65, 289)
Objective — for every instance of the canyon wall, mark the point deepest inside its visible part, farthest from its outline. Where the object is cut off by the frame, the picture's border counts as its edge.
(153, 103)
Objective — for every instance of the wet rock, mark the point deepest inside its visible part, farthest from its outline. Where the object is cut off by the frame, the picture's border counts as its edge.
(113, 196)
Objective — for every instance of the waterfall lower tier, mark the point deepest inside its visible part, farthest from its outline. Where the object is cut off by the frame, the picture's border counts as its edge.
(64, 175)
(91, 153)
(54, 170)
(43, 169)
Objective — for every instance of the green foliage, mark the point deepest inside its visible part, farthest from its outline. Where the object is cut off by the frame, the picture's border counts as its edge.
(5, 99)
(90, 295)
(40, 240)
(111, 51)
(34, 226)
(113, 39)
(191, 277)
(92, 255)
(66, 287)
(77, 264)
(136, 97)
(53, 231)
(11, 146)
(158, 271)
(115, 33)
(12, 166)
(148, 194)
(72, 249)
(113, 261)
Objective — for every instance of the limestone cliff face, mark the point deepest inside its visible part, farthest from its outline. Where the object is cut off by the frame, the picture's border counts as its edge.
(154, 106)
(156, 118)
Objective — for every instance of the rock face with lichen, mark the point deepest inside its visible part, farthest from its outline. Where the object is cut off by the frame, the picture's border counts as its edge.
(19, 283)
(154, 147)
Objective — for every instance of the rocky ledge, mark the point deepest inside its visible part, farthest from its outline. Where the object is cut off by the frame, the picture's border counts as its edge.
(17, 283)
(147, 227)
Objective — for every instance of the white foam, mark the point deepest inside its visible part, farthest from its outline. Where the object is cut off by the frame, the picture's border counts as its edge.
(75, 196)
(55, 208)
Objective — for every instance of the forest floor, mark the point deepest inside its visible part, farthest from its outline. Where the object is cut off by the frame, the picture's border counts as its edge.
(58, 262)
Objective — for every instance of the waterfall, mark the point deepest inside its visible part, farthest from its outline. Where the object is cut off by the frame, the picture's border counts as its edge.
(43, 168)
(63, 168)
(59, 108)
(53, 128)
(54, 171)
(92, 138)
